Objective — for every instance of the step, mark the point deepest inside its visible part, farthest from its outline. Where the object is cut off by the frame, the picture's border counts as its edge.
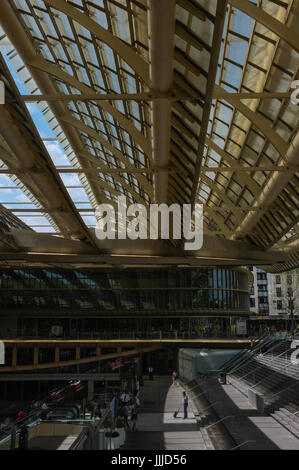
(286, 418)
(291, 419)
(289, 413)
(290, 427)
(207, 440)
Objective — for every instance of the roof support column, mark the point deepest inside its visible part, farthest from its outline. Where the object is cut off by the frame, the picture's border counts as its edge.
(161, 27)
(216, 46)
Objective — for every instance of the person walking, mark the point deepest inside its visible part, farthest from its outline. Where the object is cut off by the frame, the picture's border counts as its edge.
(140, 380)
(151, 373)
(94, 408)
(174, 377)
(134, 415)
(137, 399)
(21, 415)
(185, 401)
(3, 426)
(45, 410)
(125, 398)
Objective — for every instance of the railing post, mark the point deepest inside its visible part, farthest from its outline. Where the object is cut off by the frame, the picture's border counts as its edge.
(13, 437)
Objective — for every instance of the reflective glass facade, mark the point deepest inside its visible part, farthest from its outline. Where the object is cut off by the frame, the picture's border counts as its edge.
(123, 291)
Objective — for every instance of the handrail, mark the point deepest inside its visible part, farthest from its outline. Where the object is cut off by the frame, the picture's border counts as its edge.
(219, 421)
(284, 352)
(240, 445)
(202, 393)
(16, 425)
(250, 372)
(252, 358)
(102, 419)
(235, 359)
(82, 437)
(131, 334)
(283, 390)
(273, 373)
(255, 347)
(212, 404)
(242, 359)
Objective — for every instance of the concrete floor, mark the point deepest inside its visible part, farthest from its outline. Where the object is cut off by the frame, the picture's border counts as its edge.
(157, 428)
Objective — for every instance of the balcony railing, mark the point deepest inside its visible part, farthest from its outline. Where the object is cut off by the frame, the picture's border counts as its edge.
(209, 333)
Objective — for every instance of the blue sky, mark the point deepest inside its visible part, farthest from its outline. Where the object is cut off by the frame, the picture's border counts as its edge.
(59, 159)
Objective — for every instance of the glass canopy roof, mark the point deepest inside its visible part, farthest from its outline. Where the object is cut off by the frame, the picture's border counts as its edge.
(85, 71)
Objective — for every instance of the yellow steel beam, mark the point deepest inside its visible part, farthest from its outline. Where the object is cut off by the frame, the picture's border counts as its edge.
(98, 357)
(190, 6)
(258, 14)
(216, 45)
(115, 343)
(154, 95)
(67, 118)
(258, 121)
(126, 52)
(44, 65)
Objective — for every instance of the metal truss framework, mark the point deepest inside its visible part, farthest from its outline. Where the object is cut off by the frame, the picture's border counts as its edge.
(171, 101)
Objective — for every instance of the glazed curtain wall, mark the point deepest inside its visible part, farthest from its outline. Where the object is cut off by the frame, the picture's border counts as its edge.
(124, 290)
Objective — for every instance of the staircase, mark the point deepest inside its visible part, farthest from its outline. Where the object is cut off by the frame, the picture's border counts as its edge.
(273, 376)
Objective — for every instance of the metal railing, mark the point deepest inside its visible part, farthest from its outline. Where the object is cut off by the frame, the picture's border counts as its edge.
(252, 371)
(31, 419)
(121, 334)
(262, 344)
(242, 444)
(218, 421)
(80, 441)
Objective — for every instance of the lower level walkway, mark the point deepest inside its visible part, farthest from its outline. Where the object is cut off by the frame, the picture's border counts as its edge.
(157, 428)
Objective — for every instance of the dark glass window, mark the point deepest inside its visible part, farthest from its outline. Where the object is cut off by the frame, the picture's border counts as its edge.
(261, 276)
(279, 304)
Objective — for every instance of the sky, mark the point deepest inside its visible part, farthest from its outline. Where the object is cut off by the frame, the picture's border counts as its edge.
(237, 52)
(58, 157)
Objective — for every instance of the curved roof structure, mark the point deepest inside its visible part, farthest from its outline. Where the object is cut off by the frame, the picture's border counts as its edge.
(186, 101)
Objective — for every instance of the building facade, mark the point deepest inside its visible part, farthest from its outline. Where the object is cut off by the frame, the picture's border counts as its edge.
(274, 294)
(122, 302)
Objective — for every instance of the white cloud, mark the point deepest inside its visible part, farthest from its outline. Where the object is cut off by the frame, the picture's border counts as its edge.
(57, 154)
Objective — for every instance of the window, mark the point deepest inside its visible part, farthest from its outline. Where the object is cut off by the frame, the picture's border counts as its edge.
(290, 291)
(252, 302)
(289, 279)
(261, 276)
(278, 280)
(279, 304)
(262, 288)
(278, 292)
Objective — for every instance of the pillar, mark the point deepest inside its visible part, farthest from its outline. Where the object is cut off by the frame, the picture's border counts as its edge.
(90, 391)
